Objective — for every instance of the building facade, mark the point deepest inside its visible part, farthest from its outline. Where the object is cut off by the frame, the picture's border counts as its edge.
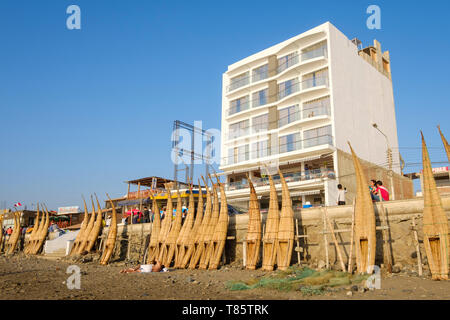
(296, 104)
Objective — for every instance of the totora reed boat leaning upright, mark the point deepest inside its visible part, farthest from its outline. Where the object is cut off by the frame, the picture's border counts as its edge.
(271, 231)
(285, 237)
(435, 224)
(111, 238)
(365, 238)
(153, 247)
(253, 238)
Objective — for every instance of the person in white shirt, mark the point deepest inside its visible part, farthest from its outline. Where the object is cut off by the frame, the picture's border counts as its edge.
(341, 195)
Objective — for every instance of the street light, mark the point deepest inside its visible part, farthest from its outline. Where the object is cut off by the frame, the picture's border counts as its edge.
(389, 158)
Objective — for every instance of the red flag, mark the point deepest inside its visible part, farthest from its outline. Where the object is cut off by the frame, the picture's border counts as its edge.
(18, 204)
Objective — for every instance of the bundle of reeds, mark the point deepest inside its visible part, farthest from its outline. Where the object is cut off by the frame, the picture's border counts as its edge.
(14, 239)
(365, 238)
(219, 236)
(153, 248)
(95, 231)
(285, 238)
(36, 229)
(186, 230)
(194, 236)
(435, 224)
(1, 235)
(165, 226)
(42, 234)
(28, 243)
(111, 238)
(87, 231)
(446, 145)
(171, 241)
(253, 237)
(271, 231)
(80, 234)
(200, 240)
(204, 261)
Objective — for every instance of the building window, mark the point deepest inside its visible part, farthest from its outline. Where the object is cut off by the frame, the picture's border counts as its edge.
(239, 129)
(260, 149)
(287, 61)
(260, 73)
(316, 107)
(317, 50)
(314, 79)
(238, 105)
(288, 87)
(259, 98)
(260, 123)
(290, 142)
(288, 115)
(317, 137)
(238, 154)
(239, 81)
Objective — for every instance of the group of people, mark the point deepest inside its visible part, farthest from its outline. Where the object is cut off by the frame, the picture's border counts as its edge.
(147, 215)
(376, 188)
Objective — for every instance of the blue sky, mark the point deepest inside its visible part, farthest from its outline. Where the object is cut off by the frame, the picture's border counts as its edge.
(81, 111)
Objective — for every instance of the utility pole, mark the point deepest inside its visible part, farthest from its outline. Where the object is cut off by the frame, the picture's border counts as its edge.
(389, 159)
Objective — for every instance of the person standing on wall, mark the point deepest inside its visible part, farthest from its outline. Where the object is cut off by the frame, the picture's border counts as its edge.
(341, 195)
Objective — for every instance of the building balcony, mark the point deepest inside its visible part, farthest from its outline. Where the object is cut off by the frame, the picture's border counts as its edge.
(317, 53)
(305, 114)
(308, 175)
(238, 108)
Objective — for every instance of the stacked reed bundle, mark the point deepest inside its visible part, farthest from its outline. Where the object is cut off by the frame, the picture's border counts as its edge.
(111, 238)
(185, 235)
(165, 226)
(14, 239)
(285, 238)
(171, 241)
(195, 235)
(253, 237)
(365, 238)
(153, 247)
(435, 224)
(42, 233)
(204, 261)
(36, 229)
(1, 235)
(90, 225)
(33, 233)
(446, 145)
(95, 231)
(80, 234)
(220, 231)
(271, 232)
(201, 244)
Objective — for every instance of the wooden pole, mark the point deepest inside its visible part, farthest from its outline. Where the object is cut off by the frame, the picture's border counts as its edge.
(325, 240)
(386, 245)
(139, 195)
(352, 239)
(416, 238)
(333, 236)
(298, 242)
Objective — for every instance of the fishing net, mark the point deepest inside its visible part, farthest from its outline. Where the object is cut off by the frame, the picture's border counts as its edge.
(305, 280)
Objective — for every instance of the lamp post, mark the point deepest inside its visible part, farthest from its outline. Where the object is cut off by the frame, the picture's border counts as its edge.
(389, 158)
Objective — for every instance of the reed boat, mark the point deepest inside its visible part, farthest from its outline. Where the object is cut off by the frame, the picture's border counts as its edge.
(446, 145)
(90, 225)
(14, 239)
(365, 236)
(153, 247)
(194, 237)
(201, 245)
(42, 235)
(1, 235)
(185, 233)
(28, 243)
(171, 242)
(253, 237)
(219, 236)
(165, 226)
(37, 228)
(435, 224)
(285, 237)
(204, 261)
(80, 234)
(110, 243)
(271, 231)
(95, 231)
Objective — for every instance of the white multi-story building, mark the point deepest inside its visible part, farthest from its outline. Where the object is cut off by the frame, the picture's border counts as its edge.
(296, 104)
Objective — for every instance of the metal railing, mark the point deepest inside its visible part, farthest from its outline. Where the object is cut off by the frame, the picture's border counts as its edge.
(291, 61)
(289, 177)
(239, 83)
(238, 108)
(319, 52)
(315, 82)
(316, 111)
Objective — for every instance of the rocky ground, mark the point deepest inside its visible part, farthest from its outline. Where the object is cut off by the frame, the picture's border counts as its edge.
(23, 277)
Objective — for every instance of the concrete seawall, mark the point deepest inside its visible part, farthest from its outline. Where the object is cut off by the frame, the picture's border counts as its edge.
(399, 216)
